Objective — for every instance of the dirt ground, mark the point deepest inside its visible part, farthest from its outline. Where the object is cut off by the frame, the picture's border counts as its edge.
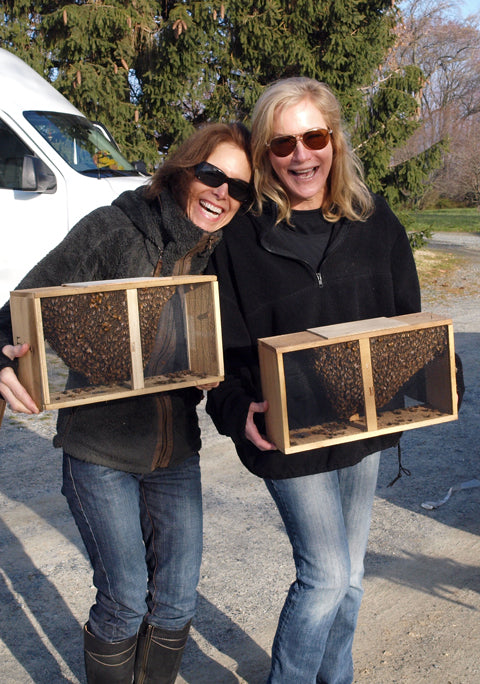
(420, 618)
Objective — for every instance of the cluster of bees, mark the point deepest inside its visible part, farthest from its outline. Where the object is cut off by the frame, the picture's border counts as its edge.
(151, 301)
(395, 358)
(338, 370)
(91, 333)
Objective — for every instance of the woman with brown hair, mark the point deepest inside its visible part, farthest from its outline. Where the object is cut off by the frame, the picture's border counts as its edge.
(131, 472)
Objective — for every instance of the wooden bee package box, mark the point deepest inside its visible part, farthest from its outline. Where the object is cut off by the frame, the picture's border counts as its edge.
(107, 340)
(345, 382)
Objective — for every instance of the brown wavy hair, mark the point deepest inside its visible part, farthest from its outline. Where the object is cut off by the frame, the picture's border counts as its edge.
(347, 195)
(177, 171)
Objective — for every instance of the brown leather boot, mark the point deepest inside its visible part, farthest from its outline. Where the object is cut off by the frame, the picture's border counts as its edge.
(159, 653)
(108, 663)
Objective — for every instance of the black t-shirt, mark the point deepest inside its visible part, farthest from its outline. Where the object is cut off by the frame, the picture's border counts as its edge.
(308, 237)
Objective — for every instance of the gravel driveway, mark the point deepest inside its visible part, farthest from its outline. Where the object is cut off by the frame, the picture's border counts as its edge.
(420, 616)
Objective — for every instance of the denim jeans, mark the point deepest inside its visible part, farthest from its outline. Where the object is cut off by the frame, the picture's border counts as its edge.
(327, 519)
(143, 534)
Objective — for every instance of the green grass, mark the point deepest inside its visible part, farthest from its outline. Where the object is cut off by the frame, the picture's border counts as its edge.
(446, 220)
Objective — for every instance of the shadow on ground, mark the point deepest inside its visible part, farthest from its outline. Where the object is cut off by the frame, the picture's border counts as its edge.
(441, 456)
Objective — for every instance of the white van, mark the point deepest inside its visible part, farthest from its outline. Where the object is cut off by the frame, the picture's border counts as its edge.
(55, 167)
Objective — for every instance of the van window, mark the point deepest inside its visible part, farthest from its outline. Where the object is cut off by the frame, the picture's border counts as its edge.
(80, 143)
(12, 152)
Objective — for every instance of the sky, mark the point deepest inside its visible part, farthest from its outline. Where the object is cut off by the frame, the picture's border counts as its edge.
(470, 7)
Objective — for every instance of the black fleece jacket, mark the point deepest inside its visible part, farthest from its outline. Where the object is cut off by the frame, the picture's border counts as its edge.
(126, 240)
(367, 271)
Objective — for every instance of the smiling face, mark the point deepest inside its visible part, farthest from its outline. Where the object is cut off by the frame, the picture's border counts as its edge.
(212, 208)
(304, 172)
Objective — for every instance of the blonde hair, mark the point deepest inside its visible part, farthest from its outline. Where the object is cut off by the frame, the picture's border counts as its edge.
(347, 195)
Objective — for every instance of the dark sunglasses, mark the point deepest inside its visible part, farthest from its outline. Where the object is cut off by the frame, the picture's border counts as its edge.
(210, 175)
(316, 139)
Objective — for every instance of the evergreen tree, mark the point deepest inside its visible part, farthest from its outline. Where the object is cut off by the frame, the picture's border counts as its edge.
(152, 71)
(211, 60)
(93, 46)
(21, 32)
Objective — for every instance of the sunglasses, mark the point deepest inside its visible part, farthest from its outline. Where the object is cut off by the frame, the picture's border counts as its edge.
(316, 139)
(214, 177)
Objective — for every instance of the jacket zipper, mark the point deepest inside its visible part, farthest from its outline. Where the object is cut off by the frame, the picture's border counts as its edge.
(329, 250)
(318, 275)
(182, 266)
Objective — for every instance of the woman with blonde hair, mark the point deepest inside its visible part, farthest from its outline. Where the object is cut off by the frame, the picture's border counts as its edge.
(320, 250)
(346, 193)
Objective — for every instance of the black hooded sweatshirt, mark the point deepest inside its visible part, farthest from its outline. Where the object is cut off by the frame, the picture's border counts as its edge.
(127, 239)
(367, 271)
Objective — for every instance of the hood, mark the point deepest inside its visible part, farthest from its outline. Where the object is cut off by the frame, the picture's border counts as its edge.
(145, 215)
(164, 224)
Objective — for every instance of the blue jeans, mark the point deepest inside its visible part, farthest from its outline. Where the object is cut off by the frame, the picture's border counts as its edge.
(143, 534)
(327, 519)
